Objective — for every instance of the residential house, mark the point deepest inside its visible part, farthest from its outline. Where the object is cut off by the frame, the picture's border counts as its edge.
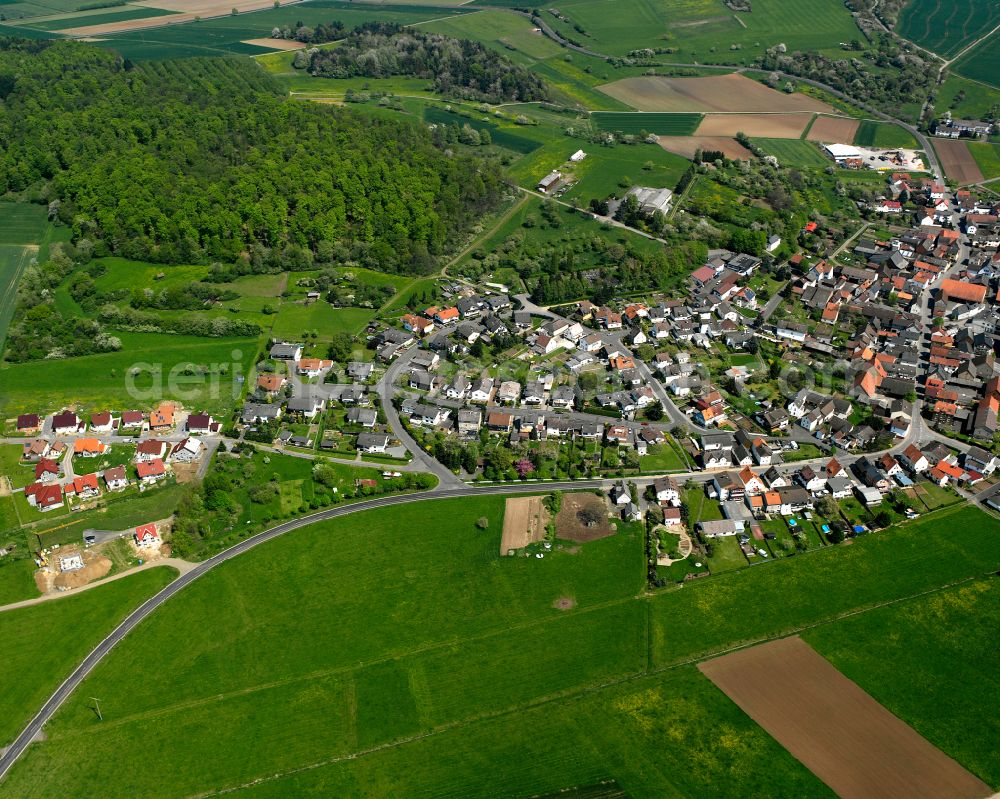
(469, 421)
(163, 417)
(47, 471)
(28, 424)
(254, 412)
(913, 459)
(186, 451)
(35, 450)
(312, 367)
(201, 424)
(364, 417)
(88, 448)
(116, 478)
(146, 536)
(667, 491)
(150, 450)
(44, 496)
(102, 422)
(66, 423)
(372, 442)
(84, 486)
(309, 407)
(284, 351)
(150, 472)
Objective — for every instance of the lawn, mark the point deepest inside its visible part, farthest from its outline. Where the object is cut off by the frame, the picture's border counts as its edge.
(295, 319)
(700, 507)
(20, 474)
(931, 661)
(794, 152)
(198, 371)
(987, 155)
(726, 555)
(947, 26)
(883, 134)
(44, 642)
(662, 458)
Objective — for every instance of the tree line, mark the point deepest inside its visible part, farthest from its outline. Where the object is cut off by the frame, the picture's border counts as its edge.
(456, 67)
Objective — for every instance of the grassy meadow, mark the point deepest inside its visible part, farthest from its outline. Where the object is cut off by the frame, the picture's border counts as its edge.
(982, 63)
(883, 134)
(987, 155)
(44, 642)
(150, 366)
(442, 662)
(940, 691)
(794, 153)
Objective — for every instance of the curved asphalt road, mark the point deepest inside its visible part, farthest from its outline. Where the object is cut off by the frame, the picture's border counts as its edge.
(62, 693)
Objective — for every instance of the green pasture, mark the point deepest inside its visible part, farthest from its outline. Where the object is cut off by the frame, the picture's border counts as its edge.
(22, 223)
(409, 647)
(17, 10)
(44, 642)
(605, 169)
(987, 155)
(930, 661)
(149, 367)
(510, 33)
(225, 35)
(794, 152)
(966, 99)
(883, 134)
(295, 318)
(947, 26)
(637, 122)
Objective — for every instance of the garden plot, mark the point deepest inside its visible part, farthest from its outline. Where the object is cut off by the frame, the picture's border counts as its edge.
(524, 522)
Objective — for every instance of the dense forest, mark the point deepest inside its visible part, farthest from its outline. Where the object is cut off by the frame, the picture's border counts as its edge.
(205, 160)
(458, 67)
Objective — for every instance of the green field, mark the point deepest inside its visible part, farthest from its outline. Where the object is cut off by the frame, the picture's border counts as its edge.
(501, 136)
(649, 122)
(443, 662)
(225, 35)
(967, 99)
(703, 31)
(940, 692)
(511, 34)
(947, 26)
(148, 368)
(883, 134)
(987, 155)
(23, 227)
(603, 171)
(23, 9)
(794, 153)
(86, 18)
(294, 319)
(44, 642)
(22, 223)
(983, 62)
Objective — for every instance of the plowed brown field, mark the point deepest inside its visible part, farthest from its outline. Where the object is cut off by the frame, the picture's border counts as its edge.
(838, 731)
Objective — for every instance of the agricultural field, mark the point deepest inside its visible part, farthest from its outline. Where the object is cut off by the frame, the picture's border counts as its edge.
(679, 124)
(957, 160)
(723, 93)
(702, 31)
(199, 372)
(938, 693)
(475, 649)
(513, 35)
(832, 129)
(787, 688)
(687, 146)
(604, 170)
(774, 126)
(987, 156)
(882, 134)
(982, 63)
(794, 153)
(44, 642)
(225, 35)
(105, 16)
(24, 230)
(947, 26)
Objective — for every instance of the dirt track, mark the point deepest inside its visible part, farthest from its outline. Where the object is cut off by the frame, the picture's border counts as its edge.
(838, 731)
(833, 130)
(957, 162)
(719, 93)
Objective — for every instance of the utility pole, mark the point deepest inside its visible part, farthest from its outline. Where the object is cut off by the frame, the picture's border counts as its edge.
(97, 707)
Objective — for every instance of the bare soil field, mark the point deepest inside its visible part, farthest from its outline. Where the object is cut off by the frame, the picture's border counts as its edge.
(833, 130)
(686, 145)
(769, 126)
(189, 10)
(524, 521)
(835, 729)
(714, 93)
(584, 517)
(275, 44)
(957, 161)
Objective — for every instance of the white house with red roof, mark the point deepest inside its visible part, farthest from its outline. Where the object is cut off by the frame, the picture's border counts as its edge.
(146, 535)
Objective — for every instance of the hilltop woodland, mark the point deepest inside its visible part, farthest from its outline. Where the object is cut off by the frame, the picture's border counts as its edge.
(203, 160)
(457, 67)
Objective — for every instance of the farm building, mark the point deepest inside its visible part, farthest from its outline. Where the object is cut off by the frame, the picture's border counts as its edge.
(549, 182)
(652, 200)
